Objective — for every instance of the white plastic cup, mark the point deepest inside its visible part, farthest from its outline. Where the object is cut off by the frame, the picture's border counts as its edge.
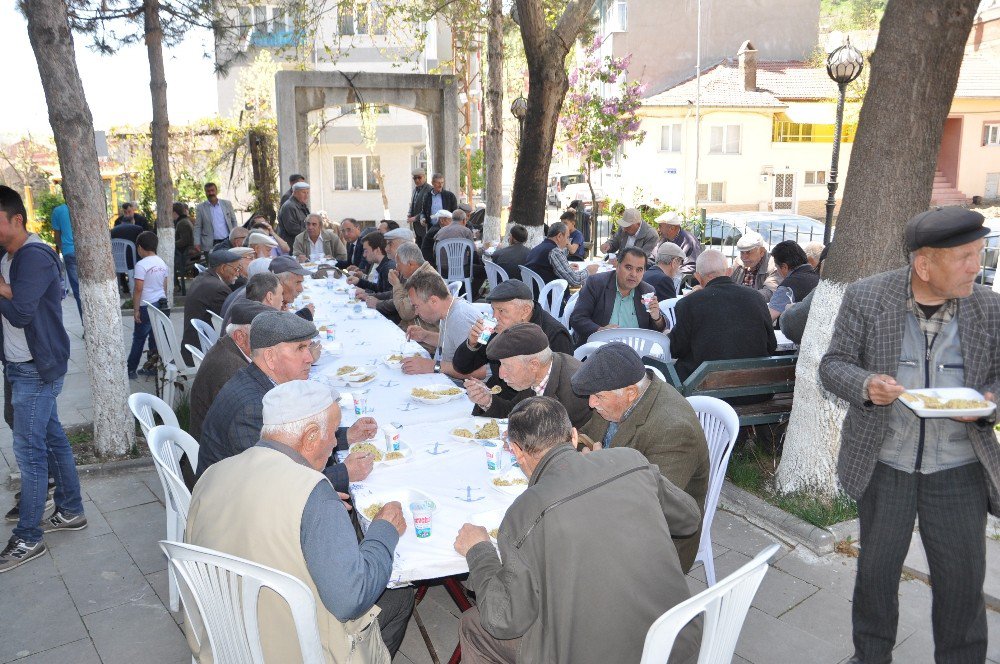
(647, 300)
(489, 325)
(360, 404)
(422, 516)
(494, 458)
(391, 438)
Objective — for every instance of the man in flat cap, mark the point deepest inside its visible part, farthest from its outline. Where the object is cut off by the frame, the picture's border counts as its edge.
(272, 504)
(293, 213)
(632, 232)
(926, 325)
(262, 244)
(292, 180)
(413, 215)
(396, 237)
(207, 293)
(755, 268)
(527, 367)
(665, 275)
(315, 242)
(280, 350)
(670, 230)
(512, 304)
(633, 408)
(291, 275)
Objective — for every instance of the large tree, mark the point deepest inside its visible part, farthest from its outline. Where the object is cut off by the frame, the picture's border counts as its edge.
(73, 127)
(914, 71)
(546, 47)
(494, 121)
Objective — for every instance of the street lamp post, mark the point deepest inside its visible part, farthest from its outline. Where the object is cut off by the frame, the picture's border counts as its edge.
(519, 109)
(843, 65)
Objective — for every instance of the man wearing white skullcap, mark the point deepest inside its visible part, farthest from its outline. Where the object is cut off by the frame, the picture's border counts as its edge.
(273, 505)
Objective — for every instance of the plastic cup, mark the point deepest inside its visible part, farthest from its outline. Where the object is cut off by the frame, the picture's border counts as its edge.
(329, 281)
(360, 404)
(391, 438)
(647, 300)
(422, 515)
(494, 451)
(489, 324)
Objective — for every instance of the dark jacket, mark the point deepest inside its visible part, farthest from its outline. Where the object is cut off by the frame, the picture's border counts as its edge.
(646, 239)
(571, 561)
(794, 318)
(722, 321)
(206, 293)
(127, 232)
(427, 245)
(382, 270)
(184, 236)
(538, 259)
(597, 301)
(511, 258)
(558, 387)
(692, 249)
(448, 202)
(221, 362)
(802, 280)
(664, 427)
(661, 283)
(36, 307)
(292, 220)
(417, 202)
(355, 255)
(138, 219)
(233, 422)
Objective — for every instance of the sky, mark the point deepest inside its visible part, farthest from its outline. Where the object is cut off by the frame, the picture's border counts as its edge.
(116, 86)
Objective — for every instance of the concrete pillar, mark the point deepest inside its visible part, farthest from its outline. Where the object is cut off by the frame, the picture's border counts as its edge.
(450, 143)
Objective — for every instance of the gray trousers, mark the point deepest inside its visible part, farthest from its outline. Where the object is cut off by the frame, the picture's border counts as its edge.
(952, 505)
(397, 606)
(481, 647)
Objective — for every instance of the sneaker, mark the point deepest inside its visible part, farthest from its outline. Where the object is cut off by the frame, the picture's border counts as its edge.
(15, 512)
(62, 521)
(133, 375)
(17, 552)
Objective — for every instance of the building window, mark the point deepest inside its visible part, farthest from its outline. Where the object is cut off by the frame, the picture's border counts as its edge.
(355, 173)
(815, 177)
(340, 179)
(784, 131)
(360, 18)
(670, 138)
(711, 192)
(991, 134)
(616, 16)
(419, 159)
(724, 139)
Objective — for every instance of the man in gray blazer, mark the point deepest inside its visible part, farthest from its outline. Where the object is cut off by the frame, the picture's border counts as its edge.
(214, 219)
(927, 325)
(632, 232)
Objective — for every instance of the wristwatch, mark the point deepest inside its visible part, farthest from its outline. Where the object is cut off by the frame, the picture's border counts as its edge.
(437, 366)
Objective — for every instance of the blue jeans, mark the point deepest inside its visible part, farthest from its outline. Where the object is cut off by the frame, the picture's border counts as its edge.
(74, 279)
(41, 449)
(143, 330)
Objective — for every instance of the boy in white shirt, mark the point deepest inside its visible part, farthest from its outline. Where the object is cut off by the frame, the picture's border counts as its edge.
(150, 286)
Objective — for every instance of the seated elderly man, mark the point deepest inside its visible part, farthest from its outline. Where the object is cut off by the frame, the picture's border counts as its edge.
(433, 303)
(398, 307)
(633, 408)
(584, 583)
(272, 505)
(246, 257)
(720, 321)
(665, 276)
(350, 230)
(440, 220)
(261, 244)
(262, 287)
(229, 354)
(207, 293)
(670, 230)
(280, 350)
(614, 299)
(632, 232)
(814, 253)
(512, 304)
(376, 280)
(514, 255)
(549, 260)
(237, 238)
(528, 367)
(291, 275)
(755, 269)
(798, 278)
(316, 243)
(795, 316)
(396, 237)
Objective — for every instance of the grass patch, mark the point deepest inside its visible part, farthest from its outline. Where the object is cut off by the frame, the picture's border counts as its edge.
(81, 441)
(753, 469)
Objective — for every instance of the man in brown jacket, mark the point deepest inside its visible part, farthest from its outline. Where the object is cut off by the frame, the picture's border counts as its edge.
(409, 261)
(633, 408)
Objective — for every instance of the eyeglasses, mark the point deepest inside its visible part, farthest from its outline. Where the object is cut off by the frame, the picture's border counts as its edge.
(418, 177)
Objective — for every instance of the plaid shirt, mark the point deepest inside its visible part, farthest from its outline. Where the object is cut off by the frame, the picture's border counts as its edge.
(560, 265)
(933, 325)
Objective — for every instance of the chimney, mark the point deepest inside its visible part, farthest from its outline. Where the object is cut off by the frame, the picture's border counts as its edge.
(748, 65)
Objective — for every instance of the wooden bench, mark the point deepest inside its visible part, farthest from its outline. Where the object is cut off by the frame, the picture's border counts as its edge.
(725, 379)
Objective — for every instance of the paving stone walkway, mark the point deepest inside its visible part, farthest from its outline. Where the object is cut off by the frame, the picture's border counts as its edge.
(99, 595)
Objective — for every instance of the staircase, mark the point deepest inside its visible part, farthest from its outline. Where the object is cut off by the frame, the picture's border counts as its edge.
(944, 193)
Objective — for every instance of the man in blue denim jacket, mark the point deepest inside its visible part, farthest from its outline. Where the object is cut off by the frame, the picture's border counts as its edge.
(35, 351)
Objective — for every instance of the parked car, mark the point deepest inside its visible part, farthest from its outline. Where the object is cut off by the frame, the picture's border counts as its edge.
(559, 181)
(579, 190)
(990, 253)
(726, 228)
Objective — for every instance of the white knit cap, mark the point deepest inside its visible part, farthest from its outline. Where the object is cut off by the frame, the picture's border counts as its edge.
(297, 400)
(258, 265)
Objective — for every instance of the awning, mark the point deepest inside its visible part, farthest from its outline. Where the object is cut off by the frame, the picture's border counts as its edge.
(823, 113)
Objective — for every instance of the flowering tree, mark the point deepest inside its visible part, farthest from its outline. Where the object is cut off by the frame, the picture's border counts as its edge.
(600, 113)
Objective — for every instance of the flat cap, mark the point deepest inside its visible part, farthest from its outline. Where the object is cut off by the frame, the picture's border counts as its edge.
(283, 264)
(242, 251)
(670, 218)
(270, 328)
(749, 240)
(258, 265)
(611, 367)
(261, 238)
(630, 217)
(441, 213)
(944, 227)
(243, 311)
(404, 234)
(520, 339)
(419, 172)
(221, 257)
(300, 185)
(297, 400)
(512, 289)
(668, 251)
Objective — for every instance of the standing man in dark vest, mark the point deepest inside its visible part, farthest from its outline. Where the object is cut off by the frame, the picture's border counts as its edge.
(413, 216)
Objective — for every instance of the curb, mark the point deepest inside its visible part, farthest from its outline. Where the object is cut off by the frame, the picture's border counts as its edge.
(105, 468)
(775, 520)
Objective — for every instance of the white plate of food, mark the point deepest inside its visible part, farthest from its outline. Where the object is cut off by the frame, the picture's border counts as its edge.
(947, 402)
(364, 314)
(369, 505)
(382, 457)
(395, 360)
(490, 521)
(346, 370)
(476, 431)
(512, 482)
(361, 378)
(436, 394)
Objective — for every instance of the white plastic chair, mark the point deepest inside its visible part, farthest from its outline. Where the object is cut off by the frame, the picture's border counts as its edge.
(568, 310)
(586, 349)
(197, 357)
(121, 251)
(216, 322)
(221, 594)
(147, 407)
(667, 309)
(169, 349)
(167, 444)
(534, 281)
(643, 342)
(455, 254)
(725, 606)
(199, 267)
(455, 287)
(551, 296)
(721, 425)
(495, 274)
(207, 335)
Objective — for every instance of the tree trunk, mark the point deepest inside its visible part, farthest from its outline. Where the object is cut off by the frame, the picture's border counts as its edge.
(890, 180)
(73, 127)
(262, 165)
(493, 146)
(159, 131)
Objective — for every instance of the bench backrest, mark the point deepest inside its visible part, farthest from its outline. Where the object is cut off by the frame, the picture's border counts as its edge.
(734, 378)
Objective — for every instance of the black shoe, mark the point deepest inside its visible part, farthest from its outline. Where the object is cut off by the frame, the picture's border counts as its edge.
(15, 512)
(17, 552)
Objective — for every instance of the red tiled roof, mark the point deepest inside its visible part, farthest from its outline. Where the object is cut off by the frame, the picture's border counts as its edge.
(980, 76)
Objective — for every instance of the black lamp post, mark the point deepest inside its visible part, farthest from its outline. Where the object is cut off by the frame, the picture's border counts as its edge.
(844, 64)
(519, 109)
